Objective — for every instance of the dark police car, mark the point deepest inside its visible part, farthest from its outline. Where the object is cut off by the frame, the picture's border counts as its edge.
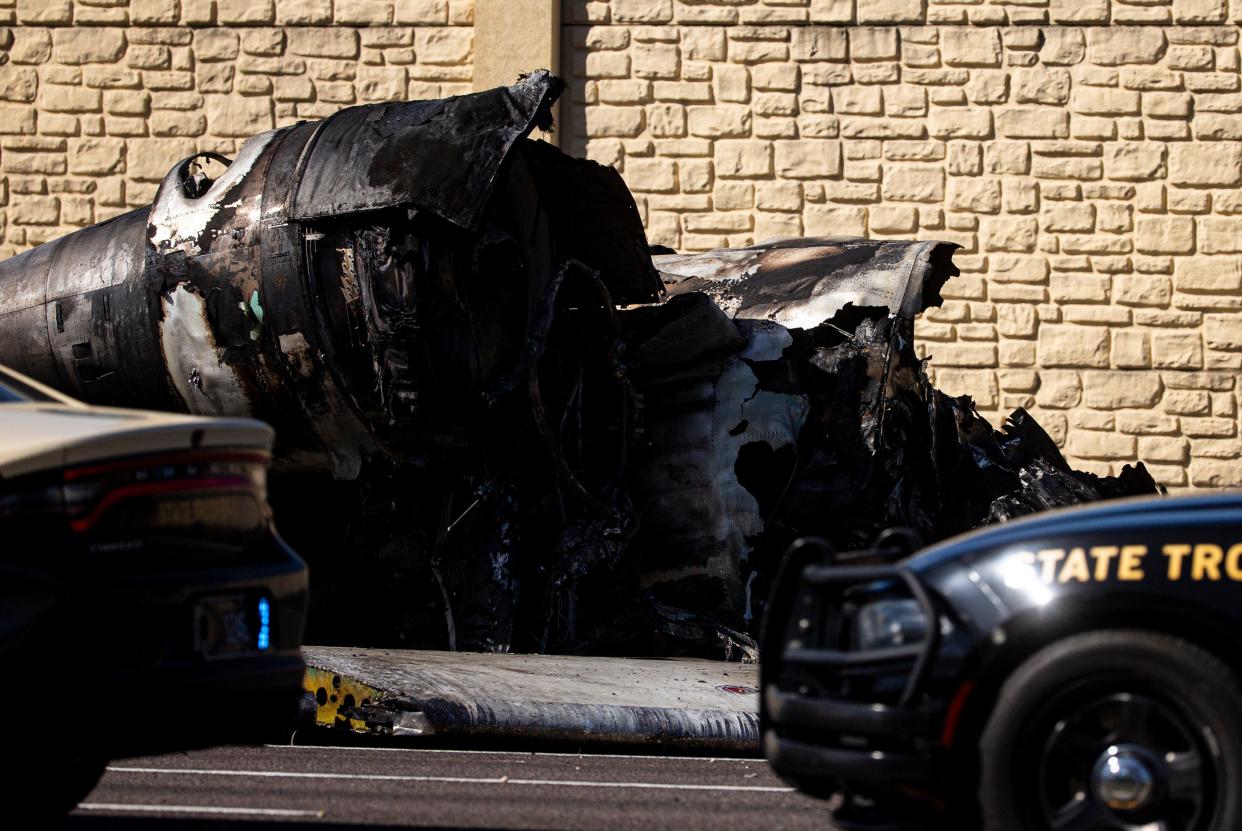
(1074, 670)
(146, 602)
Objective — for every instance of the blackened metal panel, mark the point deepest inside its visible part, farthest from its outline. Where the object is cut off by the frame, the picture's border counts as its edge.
(205, 249)
(134, 336)
(23, 278)
(800, 283)
(440, 156)
(102, 255)
(322, 424)
(23, 333)
(221, 217)
(205, 329)
(596, 221)
(68, 323)
(23, 344)
(100, 329)
(709, 406)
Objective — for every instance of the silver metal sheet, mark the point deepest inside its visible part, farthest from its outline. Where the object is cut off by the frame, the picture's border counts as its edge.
(710, 706)
(800, 283)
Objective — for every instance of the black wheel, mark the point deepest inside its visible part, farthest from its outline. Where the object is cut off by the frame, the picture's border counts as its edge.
(1114, 730)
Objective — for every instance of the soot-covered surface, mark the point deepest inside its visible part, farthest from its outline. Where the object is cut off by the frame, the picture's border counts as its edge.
(500, 425)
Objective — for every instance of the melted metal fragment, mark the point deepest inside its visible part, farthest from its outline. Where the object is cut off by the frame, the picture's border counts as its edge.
(801, 283)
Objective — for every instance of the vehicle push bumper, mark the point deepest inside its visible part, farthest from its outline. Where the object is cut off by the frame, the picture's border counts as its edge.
(836, 714)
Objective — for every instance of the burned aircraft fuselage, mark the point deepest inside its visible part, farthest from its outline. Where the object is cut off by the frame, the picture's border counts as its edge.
(329, 280)
(495, 429)
(419, 298)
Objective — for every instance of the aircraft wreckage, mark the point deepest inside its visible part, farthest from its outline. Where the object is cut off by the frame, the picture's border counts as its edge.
(501, 424)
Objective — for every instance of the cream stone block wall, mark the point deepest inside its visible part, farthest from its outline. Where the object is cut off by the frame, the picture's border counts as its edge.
(99, 98)
(1086, 154)
(1090, 171)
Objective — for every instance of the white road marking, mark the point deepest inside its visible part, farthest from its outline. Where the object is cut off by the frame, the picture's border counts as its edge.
(527, 753)
(196, 809)
(460, 780)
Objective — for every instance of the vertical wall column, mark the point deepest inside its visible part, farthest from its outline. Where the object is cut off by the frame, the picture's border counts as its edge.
(515, 36)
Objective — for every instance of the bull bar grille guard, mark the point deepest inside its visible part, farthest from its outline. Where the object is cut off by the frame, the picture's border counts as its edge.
(812, 566)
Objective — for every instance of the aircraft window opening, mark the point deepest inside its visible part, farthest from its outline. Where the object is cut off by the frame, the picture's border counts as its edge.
(200, 172)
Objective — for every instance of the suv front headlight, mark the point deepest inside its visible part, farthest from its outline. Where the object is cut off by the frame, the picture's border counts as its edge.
(885, 624)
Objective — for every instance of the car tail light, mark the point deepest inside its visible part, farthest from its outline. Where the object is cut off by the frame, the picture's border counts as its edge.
(198, 491)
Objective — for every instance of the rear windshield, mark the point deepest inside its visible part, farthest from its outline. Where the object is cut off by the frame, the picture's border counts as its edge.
(12, 390)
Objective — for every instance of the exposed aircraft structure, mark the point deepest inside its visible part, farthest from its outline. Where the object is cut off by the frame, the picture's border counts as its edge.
(496, 428)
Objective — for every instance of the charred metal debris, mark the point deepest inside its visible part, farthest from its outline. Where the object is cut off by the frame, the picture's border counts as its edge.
(500, 427)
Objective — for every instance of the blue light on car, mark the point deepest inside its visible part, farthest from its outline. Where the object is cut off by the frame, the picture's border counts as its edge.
(265, 624)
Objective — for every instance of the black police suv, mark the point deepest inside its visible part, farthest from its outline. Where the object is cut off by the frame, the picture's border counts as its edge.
(1073, 670)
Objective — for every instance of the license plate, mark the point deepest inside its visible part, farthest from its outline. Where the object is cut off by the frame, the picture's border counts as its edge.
(223, 626)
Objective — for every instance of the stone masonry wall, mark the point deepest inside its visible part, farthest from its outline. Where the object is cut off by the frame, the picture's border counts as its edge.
(99, 98)
(1090, 172)
(1086, 154)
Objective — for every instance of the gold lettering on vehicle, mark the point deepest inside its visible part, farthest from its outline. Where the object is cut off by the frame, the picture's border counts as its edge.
(1103, 554)
(1189, 562)
(1130, 566)
(1050, 557)
(1206, 562)
(1233, 567)
(1176, 554)
(1075, 567)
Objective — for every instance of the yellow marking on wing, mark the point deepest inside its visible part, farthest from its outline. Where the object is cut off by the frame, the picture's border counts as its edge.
(336, 696)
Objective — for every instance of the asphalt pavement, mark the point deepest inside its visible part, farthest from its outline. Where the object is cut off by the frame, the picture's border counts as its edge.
(237, 788)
